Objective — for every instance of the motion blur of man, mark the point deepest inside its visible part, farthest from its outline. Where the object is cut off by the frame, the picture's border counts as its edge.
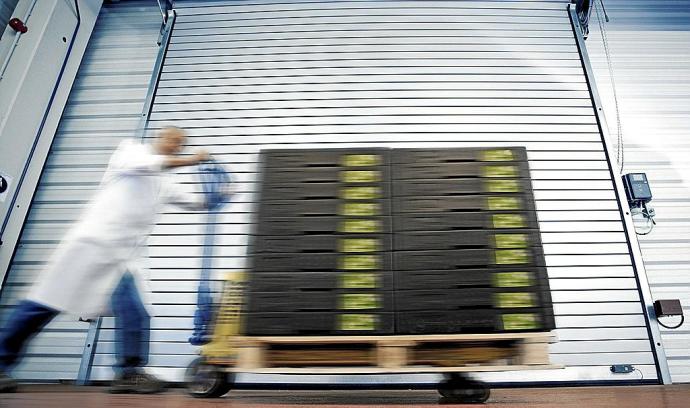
(97, 260)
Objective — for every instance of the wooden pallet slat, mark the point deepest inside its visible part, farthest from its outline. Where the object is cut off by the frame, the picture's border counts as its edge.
(391, 354)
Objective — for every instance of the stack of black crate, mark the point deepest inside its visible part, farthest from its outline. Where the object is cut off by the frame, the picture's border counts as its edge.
(467, 255)
(321, 253)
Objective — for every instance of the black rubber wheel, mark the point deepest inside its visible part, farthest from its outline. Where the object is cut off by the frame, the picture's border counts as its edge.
(205, 380)
(466, 392)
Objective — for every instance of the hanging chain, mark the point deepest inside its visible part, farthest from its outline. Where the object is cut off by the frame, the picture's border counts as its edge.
(620, 153)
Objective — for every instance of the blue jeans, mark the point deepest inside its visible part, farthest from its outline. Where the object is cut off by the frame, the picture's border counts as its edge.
(132, 324)
(132, 327)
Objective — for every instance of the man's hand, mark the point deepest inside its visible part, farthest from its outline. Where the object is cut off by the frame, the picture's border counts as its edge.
(201, 156)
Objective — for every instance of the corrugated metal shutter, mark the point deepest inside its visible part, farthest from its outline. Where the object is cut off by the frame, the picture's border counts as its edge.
(650, 47)
(246, 75)
(6, 10)
(103, 108)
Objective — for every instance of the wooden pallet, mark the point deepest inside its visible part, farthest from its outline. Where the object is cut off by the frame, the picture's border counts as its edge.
(390, 354)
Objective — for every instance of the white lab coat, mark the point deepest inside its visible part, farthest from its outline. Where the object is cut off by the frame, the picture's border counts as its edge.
(110, 239)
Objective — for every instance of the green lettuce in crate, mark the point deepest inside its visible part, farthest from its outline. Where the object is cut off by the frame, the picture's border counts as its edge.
(503, 203)
(359, 301)
(520, 321)
(351, 321)
(515, 300)
(508, 221)
(512, 279)
(360, 176)
(359, 245)
(361, 193)
(358, 209)
(511, 240)
(361, 160)
(359, 280)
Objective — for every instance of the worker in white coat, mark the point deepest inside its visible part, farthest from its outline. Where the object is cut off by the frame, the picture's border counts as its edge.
(97, 263)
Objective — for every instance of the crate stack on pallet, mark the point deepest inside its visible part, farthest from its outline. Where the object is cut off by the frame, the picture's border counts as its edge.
(467, 253)
(397, 241)
(322, 258)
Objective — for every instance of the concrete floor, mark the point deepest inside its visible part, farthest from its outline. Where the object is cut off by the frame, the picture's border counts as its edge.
(674, 396)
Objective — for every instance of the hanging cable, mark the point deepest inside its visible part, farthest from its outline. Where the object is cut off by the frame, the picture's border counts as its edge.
(639, 372)
(682, 320)
(604, 10)
(620, 152)
(648, 214)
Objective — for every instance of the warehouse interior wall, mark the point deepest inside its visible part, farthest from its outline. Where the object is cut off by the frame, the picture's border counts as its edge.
(649, 43)
(105, 106)
(242, 76)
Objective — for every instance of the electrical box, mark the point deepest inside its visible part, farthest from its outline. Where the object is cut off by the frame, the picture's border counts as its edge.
(637, 188)
(622, 368)
(668, 307)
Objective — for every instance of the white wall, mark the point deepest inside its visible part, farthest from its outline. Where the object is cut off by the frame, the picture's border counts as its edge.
(40, 69)
(247, 75)
(537, 102)
(650, 48)
(104, 107)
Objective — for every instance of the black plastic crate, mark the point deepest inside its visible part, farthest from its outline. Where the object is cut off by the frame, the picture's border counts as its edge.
(321, 262)
(527, 278)
(414, 241)
(442, 279)
(307, 281)
(446, 170)
(447, 321)
(304, 158)
(522, 298)
(328, 207)
(342, 243)
(439, 204)
(518, 277)
(349, 175)
(462, 154)
(443, 299)
(524, 319)
(309, 191)
(324, 190)
(418, 260)
(323, 225)
(467, 258)
(473, 321)
(450, 221)
(543, 278)
(452, 187)
(470, 298)
(361, 301)
(318, 323)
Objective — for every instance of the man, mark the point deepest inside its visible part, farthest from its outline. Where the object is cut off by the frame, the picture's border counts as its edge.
(97, 260)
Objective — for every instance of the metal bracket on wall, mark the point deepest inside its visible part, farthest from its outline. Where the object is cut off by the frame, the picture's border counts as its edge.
(166, 9)
(628, 226)
(94, 328)
(156, 74)
(89, 352)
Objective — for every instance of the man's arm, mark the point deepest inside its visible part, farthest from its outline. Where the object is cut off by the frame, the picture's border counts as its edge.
(170, 162)
(177, 195)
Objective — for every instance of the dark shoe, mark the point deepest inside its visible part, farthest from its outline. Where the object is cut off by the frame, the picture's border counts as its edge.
(137, 382)
(7, 383)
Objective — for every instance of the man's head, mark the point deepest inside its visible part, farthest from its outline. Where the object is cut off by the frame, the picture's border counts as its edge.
(170, 141)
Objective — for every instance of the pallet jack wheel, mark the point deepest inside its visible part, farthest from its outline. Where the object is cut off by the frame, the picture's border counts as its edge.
(205, 380)
(458, 388)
